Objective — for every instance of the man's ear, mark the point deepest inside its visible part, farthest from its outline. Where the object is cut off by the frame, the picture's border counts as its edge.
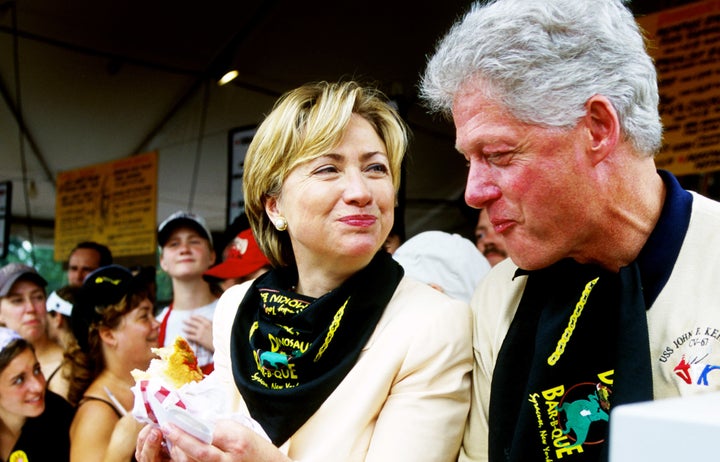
(212, 256)
(161, 260)
(603, 127)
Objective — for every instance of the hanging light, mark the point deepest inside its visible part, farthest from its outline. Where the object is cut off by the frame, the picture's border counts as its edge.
(228, 77)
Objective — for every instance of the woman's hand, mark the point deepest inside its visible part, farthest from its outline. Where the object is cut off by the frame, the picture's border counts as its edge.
(232, 441)
(150, 446)
(198, 329)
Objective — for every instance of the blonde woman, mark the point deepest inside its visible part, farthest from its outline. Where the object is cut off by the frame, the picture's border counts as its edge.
(334, 352)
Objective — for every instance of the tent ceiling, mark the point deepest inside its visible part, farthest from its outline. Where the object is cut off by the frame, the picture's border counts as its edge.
(98, 81)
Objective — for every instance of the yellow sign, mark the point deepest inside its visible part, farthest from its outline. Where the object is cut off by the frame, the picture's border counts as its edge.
(113, 203)
(685, 43)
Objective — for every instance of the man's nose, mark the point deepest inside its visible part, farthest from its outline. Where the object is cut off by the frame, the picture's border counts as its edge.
(480, 188)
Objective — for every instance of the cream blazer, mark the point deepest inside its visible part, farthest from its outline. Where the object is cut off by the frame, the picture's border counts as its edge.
(407, 397)
(683, 324)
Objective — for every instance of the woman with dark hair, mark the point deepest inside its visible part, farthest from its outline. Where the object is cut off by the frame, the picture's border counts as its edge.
(34, 422)
(115, 330)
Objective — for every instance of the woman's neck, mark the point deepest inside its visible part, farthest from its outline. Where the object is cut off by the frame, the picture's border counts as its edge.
(49, 354)
(45, 344)
(117, 377)
(10, 427)
(115, 385)
(316, 279)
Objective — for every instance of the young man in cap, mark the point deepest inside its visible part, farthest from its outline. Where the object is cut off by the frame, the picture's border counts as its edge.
(22, 309)
(186, 253)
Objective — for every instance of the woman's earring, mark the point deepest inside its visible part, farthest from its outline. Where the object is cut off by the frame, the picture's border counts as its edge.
(280, 223)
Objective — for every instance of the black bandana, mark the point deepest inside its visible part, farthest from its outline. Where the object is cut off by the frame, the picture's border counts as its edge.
(576, 328)
(577, 346)
(289, 352)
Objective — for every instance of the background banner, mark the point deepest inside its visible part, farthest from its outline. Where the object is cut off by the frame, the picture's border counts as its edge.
(113, 203)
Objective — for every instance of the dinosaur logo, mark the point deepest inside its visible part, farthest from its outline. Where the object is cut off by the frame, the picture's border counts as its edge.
(585, 413)
(272, 360)
(580, 414)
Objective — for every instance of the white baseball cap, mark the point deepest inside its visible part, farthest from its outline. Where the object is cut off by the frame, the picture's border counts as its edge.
(57, 303)
(447, 260)
(181, 218)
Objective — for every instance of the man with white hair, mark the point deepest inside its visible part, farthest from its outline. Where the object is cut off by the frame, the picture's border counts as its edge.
(612, 267)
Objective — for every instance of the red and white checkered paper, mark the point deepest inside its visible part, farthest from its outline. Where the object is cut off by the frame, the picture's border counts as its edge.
(195, 407)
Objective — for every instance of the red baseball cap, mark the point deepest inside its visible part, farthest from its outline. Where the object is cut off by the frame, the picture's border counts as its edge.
(243, 257)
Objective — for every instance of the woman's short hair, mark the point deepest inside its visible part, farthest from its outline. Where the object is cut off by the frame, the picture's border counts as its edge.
(304, 124)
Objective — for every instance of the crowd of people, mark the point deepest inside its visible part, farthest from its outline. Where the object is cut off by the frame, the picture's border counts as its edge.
(342, 340)
(71, 352)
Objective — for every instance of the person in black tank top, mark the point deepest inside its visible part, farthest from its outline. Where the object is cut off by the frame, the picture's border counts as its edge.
(115, 331)
(35, 421)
